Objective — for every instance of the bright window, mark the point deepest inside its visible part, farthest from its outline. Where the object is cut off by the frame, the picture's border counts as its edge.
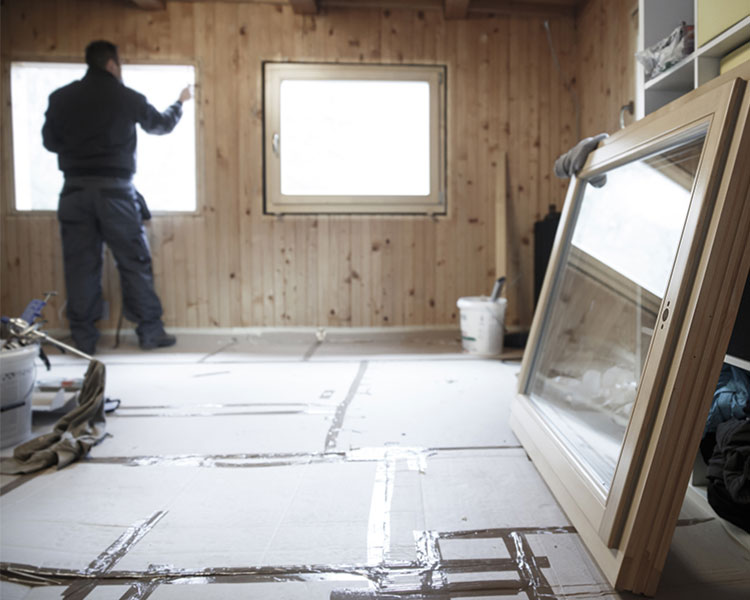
(345, 138)
(165, 172)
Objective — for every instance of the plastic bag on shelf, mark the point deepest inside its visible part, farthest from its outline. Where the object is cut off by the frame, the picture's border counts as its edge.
(667, 52)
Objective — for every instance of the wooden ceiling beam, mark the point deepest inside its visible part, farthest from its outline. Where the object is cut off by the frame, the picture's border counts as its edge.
(456, 9)
(304, 7)
(528, 8)
(150, 4)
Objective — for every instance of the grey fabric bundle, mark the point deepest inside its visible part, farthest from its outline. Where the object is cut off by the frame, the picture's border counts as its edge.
(570, 163)
(72, 436)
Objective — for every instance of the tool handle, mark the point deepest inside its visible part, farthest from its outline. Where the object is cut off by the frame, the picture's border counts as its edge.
(497, 289)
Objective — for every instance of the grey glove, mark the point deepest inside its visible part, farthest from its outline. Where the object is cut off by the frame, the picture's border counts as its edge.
(572, 161)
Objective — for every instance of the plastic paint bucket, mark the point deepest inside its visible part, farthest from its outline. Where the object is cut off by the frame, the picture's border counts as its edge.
(482, 324)
(17, 377)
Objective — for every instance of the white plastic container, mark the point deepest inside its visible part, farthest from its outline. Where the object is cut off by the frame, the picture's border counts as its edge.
(17, 377)
(482, 324)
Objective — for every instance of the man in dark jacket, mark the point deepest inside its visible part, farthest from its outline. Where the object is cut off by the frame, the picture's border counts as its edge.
(90, 125)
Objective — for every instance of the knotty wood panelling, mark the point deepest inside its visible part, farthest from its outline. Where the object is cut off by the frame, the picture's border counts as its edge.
(607, 41)
(231, 266)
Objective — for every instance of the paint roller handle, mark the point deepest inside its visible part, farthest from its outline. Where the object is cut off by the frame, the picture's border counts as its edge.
(497, 289)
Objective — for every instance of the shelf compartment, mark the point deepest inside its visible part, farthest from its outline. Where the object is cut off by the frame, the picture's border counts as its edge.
(678, 77)
(725, 42)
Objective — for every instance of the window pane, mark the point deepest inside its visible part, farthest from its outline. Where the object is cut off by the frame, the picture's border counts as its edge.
(165, 172)
(604, 309)
(37, 178)
(166, 164)
(355, 138)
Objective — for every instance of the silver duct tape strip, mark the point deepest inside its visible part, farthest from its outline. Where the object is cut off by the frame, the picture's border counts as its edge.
(522, 561)
(79, 590)
(104, 563)
(338, 419)
(140, 590)
(414, 456)
(122, 545)
(504, 532)
(526, 562)
(416, 460)
(127, 408)
(379, 524)
(167, 574)
(221, 460)
(428, 575)
(207, 413)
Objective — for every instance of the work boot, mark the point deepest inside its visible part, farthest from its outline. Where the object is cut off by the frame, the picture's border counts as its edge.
(160, 340)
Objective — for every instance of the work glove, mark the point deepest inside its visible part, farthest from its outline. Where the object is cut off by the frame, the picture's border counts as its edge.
(572, 161)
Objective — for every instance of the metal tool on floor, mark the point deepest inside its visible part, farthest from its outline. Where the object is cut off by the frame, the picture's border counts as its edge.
(26, 330)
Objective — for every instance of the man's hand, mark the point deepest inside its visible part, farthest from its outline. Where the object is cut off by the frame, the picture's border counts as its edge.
(186, 94)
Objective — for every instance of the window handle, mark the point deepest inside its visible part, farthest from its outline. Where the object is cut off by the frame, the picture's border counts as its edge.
(275, 143)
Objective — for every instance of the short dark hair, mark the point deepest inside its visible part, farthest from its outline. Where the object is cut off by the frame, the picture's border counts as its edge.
(99, 53)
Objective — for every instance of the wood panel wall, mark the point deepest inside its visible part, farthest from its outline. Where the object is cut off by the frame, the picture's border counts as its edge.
(231, 266)
(607, 35)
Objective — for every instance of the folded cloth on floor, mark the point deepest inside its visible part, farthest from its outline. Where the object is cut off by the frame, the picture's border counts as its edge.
(72, 436)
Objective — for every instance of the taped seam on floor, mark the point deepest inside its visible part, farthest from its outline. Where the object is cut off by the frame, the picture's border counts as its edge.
(416, 456)
(140, 590)
(104, 563)
(522, 560)
(379, 522)
(218, 351)
(338, 419)
(19, 481)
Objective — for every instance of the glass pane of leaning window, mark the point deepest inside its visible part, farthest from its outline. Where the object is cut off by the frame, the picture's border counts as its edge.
(166, 164)
(602, 317)
(358, 138)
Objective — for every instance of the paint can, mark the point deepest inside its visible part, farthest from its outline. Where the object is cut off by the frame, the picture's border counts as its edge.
(17, 378)
(482, 324)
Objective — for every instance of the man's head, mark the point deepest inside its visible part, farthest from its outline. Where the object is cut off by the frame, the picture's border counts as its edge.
(103, 55)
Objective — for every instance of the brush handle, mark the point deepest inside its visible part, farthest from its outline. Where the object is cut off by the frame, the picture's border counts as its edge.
(497, 289)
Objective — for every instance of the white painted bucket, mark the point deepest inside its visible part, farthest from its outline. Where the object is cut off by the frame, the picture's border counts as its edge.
(482, 324)
(17, 377)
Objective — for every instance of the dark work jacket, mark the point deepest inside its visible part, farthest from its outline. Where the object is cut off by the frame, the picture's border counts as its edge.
(90, 124)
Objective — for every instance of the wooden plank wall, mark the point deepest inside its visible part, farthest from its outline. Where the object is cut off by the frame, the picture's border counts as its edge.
(231, 266)
(607, 34)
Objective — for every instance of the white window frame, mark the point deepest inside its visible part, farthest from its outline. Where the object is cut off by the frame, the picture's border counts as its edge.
(433, 203)
(158, 97)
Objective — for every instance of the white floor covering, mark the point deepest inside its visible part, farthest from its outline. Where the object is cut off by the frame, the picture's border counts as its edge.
(315, 465)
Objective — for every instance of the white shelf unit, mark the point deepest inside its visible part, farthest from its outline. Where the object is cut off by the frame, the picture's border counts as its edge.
(656, 20)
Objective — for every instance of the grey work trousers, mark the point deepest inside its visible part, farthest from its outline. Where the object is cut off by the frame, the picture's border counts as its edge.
(93, 210)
